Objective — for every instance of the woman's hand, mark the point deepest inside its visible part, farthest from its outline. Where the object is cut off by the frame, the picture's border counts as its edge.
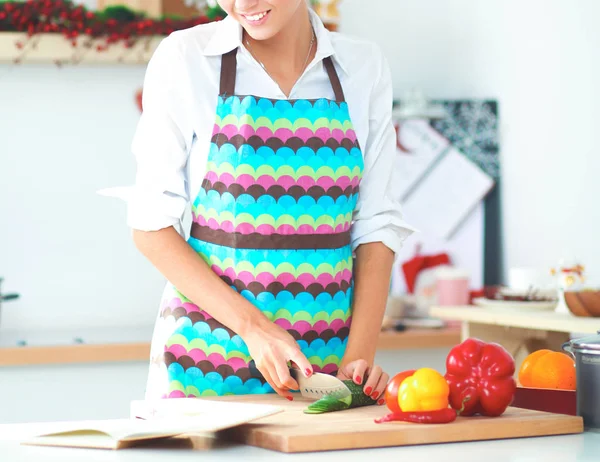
(374, 378)
(272, 347)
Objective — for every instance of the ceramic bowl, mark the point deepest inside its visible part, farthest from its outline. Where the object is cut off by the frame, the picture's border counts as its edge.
(585, 303)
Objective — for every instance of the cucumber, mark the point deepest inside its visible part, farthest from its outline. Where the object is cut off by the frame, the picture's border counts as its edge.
(331, 403)
(358, 395)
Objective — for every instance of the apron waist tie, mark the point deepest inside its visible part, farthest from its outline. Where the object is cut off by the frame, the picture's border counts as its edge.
(272, 241)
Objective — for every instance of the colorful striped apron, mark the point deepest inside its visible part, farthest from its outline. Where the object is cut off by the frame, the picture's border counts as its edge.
(272, 219)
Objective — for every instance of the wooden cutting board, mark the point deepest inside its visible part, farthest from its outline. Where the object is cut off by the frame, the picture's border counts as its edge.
(293, 431)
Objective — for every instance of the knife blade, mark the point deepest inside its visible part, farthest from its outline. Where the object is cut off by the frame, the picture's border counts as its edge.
(314, 387)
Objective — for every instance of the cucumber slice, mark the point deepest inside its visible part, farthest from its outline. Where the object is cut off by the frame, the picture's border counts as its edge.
(328, 404)
(331, 403)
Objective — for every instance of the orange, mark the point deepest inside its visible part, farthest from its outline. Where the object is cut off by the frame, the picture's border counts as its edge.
(554, 370)
(525, 378)
(548, 369)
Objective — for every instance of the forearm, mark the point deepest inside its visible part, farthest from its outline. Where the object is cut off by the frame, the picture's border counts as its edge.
(192, 276)
(372, 272)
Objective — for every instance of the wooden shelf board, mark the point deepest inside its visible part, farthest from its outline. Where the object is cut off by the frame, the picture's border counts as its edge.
(419, 339)
(70, 354)
(52, 48)
(140, 351)
(546, 320)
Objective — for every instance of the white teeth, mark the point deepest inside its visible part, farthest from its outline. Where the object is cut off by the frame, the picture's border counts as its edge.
(257, 17)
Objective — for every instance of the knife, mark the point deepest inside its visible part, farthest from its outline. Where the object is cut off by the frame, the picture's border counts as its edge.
(314, 387)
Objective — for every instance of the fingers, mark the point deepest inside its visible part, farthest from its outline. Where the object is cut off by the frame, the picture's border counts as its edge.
(283, 379)
(380, 388)
(280, 391)
(302, 363)
(358, 371)
(372, 381)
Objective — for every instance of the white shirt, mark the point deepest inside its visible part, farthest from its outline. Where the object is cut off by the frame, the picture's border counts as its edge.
(181, 86)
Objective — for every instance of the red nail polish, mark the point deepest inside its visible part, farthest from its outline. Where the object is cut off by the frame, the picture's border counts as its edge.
(375, 395)
(289, 398)
(368, 391)
(358, 379)
(381, 401)
(308, 372)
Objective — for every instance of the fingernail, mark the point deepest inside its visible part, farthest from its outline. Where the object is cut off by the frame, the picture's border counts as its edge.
(308, 372)
(368, 391)
(375, 395)
(381, 401)
(289, 398)
(358, 379)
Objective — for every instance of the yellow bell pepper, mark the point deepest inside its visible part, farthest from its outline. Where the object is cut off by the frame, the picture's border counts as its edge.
(425, 390)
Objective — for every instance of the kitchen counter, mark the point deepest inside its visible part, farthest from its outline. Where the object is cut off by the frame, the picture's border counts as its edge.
(572, 448)
(48, 392)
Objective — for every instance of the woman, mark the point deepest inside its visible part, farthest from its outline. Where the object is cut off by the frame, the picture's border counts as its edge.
(302, 117)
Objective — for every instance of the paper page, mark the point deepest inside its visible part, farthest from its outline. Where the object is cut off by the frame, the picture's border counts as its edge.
(78, 439)
(419, 146)
(172, 426)
(118, 429)
(166, 418)
(131, 429)
(217, 415)
(446, 196)
(112, 428)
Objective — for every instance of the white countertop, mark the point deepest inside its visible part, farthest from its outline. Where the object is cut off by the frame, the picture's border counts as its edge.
(570, 448)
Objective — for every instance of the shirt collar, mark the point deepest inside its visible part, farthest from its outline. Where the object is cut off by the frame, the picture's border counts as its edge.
(228, 35)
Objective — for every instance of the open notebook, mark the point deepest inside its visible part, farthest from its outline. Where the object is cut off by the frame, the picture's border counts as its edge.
(151, 420)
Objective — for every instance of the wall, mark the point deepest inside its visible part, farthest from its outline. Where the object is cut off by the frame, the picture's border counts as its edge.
(65, 133)
(540, 59)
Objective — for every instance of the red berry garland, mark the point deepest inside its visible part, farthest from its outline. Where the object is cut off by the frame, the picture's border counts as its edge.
(113, 25)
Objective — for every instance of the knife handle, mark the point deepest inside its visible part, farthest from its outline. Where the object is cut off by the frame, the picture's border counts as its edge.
(254, 372)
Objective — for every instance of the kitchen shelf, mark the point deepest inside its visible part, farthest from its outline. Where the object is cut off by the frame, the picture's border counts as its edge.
(532, 320)
(72, 354)
(55, 48)
(140, 350)
(419, 339)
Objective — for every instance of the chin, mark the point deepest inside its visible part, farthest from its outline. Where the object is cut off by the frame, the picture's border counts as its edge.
(260, 33)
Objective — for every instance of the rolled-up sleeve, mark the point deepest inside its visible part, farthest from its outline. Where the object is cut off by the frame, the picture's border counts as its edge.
(378, 214)
(161, 144)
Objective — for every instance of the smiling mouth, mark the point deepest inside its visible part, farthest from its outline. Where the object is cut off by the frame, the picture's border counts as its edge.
(255, 17)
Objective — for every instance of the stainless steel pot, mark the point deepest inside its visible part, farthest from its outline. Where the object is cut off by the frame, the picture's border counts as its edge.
(586, 352)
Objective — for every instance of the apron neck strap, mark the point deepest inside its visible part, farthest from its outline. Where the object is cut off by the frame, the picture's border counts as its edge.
(229, 71)
(334, 79)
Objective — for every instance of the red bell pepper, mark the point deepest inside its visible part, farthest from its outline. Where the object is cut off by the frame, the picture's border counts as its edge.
(480, 376)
